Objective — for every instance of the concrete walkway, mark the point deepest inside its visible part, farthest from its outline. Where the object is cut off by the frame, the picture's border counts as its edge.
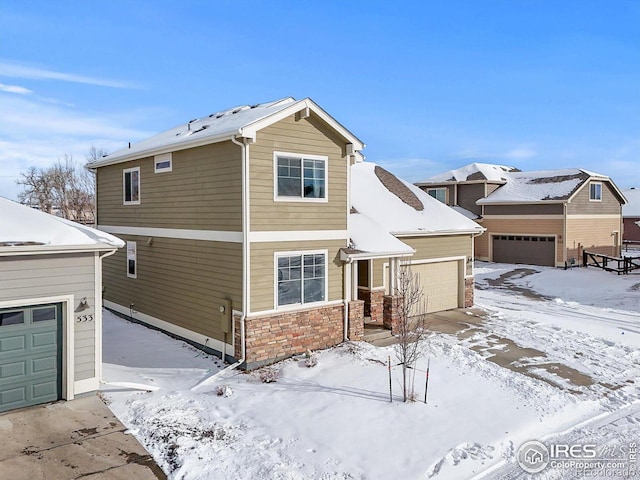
(80, 439)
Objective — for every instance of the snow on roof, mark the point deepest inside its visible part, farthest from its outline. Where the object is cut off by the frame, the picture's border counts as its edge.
(243, 120)
(368, 236)
(23, 226)
(632, 208)
(473, 171)
(465, 212)
(549, 185)
(218, 124)
(396, 207)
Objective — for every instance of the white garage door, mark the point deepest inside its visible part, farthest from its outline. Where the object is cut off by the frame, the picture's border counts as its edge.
(440, 284)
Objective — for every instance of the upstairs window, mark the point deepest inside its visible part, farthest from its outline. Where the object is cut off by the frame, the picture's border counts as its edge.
(131, 186)
(300, 177)
(595, 191)
(438, 194)
(162, 163)
(302, 278)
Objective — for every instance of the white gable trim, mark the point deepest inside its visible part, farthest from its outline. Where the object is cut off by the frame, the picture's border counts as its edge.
(251, 129)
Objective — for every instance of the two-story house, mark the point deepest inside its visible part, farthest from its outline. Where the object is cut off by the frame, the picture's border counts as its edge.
(540, 217)
(631, 217)
(239, 233)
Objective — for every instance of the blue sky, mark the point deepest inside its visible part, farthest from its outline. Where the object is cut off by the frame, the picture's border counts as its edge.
(427, 85)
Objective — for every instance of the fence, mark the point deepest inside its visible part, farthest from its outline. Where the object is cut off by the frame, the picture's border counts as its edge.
(611, 264)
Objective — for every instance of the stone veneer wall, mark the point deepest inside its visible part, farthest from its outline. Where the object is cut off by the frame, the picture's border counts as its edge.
(391, 304)
(372, 302)
(280, 335)
(356, 320)
(468, 292)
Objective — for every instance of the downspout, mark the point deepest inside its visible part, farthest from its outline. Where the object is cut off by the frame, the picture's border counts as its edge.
(347, 266)
(564, 233)
(245, 244)
(99, 298)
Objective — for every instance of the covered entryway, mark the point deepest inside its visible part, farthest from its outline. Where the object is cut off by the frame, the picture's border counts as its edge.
(30, 355)
(441, 284)
(527, 249)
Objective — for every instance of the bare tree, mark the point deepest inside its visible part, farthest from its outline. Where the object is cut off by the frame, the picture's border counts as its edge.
(64, 186)
(410, 324)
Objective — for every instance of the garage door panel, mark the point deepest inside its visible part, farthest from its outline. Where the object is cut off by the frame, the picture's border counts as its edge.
(440, 283)
(44, 392)
(13, 344)
(13, 397)
(10, 372)
(31, 360)
(526, 249)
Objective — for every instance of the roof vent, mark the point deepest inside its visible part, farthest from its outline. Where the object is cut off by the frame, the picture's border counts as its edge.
(236, 110)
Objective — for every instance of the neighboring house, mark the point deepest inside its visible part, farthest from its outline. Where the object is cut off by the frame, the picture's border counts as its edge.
(539, 218)
(631, 216)
(239, 238)
(50, 306)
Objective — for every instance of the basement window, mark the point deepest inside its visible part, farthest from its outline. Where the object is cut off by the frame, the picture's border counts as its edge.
(595, 191)
(162, 163)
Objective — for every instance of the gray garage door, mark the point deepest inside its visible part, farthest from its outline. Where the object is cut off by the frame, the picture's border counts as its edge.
(30, 355)
(527, 249)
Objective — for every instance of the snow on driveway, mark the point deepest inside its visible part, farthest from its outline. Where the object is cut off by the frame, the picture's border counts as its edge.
(335, 421)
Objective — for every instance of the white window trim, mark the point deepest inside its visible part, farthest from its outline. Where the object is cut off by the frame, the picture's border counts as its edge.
(165, 157)
(124, 193)
(298, 306)
(134, 258)
(300, 199)
(595, 199)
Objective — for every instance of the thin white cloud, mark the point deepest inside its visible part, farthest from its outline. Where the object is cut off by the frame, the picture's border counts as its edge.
(520, 153)
(15, 89)
(15, 70)
(35, 133)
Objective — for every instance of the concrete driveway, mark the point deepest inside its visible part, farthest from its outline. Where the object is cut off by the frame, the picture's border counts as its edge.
(71, 440)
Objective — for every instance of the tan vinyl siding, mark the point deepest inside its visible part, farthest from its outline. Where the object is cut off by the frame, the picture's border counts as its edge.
(202, 192)
(305, 136)
(592, 234)
(468, 195)
(428, 248)
(529, 209)
(182, 282)
(263, 269)
(581, 205)
(492, 187)
(37, 276)
(535, 227)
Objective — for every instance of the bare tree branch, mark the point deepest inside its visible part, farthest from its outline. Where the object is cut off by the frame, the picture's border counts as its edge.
(410, 327)
(64, 188)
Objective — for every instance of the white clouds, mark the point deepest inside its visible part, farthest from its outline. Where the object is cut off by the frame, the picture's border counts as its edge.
(35, 133)
(15, 70)
(520, 153)
(15, 89)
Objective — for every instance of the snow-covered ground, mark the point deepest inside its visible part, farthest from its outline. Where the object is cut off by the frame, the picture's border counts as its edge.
(335, 420)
